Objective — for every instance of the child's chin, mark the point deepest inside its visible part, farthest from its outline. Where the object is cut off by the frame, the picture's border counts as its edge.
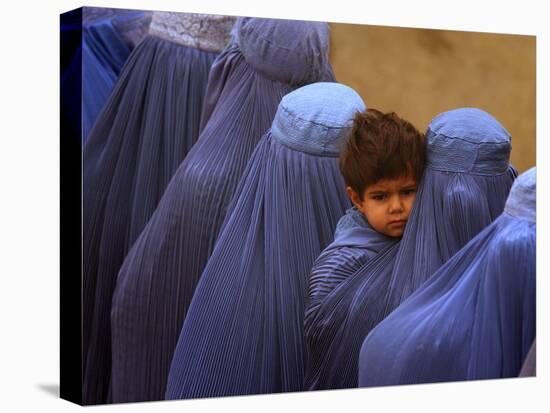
(394, 234)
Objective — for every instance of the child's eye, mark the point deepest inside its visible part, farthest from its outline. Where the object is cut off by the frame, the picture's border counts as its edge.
(379, 197)
(408, 191)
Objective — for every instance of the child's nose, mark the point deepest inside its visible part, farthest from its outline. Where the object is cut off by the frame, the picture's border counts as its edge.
(396, 205)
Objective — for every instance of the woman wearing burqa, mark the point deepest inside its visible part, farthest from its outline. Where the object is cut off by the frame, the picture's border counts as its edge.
(105, 49)
(268, 59)
(95, 43)
(243, 333)
(465, 183)
(475, 318)
(148, 125)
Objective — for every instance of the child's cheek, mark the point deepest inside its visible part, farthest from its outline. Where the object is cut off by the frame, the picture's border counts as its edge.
(411, 203)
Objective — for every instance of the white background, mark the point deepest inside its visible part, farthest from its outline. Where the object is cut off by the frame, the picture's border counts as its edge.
(29, 207)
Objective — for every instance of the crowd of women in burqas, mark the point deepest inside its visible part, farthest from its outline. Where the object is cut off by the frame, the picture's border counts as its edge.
(224, 252)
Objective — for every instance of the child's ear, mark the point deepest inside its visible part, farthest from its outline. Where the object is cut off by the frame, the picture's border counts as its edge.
(355, 198)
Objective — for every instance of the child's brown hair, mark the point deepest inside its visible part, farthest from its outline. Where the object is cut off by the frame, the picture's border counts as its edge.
(381, 146)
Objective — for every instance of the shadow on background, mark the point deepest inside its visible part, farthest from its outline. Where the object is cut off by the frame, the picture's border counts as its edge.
(51, 389)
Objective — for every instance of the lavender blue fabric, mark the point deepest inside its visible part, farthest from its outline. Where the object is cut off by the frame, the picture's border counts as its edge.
(475, 318)
(243, 333)
(133, 26)
(97, 59)
(159, 275)
(283, 54)
(104, 52)
(287, 51)
(145, 130)
(355, 243)
(464, 188)
(457, 197)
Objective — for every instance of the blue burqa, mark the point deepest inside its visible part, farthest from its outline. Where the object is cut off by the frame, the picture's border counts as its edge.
(357, 283)
(94, 52)
(475, 318)
(268, 59)
(244, 330)
(148, 125)
(104, 53)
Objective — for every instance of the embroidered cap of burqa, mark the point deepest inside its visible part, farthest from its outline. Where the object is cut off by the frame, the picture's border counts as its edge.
(475, 318)
(463, 189)
(156, 282)
(244, 330)
(144, 131)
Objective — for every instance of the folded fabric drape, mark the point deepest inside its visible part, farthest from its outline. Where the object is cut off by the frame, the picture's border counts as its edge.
(159, 275)
(353, 288)
(244, 330)
(475, 318)
(148, 125)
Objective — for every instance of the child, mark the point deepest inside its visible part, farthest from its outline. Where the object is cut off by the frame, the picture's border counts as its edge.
(475, 318)
(381, 165)
(362, 277)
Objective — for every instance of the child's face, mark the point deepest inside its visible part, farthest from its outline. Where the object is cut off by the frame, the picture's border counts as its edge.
(386, 204)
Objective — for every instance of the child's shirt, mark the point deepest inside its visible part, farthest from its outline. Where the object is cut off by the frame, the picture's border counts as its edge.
(334, 281)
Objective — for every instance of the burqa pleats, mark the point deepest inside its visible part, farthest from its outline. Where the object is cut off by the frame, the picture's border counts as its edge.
(156, 283)
(97, 60)
(148, 125)
(463, 188)
(475, 318)
(244, 330)
(333, 287)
